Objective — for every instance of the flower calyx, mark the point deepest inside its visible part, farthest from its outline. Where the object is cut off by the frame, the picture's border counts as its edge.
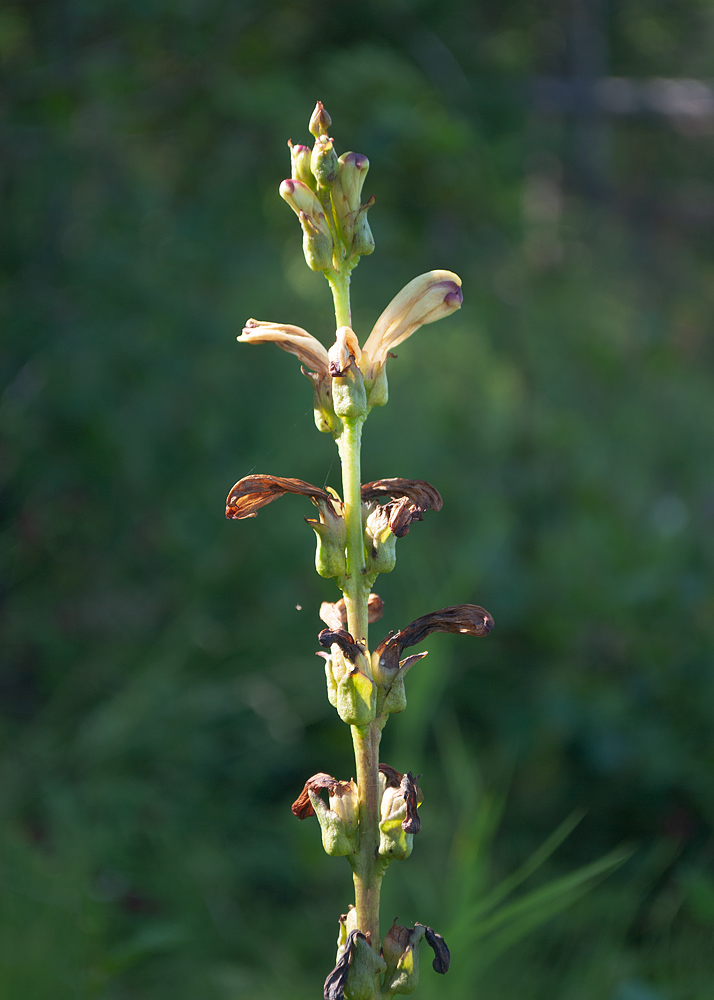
(401, 954)
(399, 820)
(338, 822)
(353, 977)
(350, 687)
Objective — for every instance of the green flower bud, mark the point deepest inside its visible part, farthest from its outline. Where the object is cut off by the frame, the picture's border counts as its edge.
(363, 241)
(300, 165)
(317, 246)
(302, 198)
(323, 161)
(320, 121)
(346, 191)
(331, 532)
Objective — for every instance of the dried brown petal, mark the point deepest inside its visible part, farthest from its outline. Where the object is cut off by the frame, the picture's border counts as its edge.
(420, 492)
(253, 492)
(408, 785)
(409, 498)
(340, 637)
(394, 777)
(468, 619)
(302, 807)
(442, 955)
(334, 988)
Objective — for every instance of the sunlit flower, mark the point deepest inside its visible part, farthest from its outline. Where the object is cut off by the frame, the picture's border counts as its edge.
(427, 298)
(424, 300)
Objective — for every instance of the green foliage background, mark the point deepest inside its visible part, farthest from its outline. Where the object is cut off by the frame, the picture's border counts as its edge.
(160, 704)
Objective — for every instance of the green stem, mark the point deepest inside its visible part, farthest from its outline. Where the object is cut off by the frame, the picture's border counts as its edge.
(367, 867)
(355, 591)
(340, 287)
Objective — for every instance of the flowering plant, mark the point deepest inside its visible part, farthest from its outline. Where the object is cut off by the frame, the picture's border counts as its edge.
(371, 820)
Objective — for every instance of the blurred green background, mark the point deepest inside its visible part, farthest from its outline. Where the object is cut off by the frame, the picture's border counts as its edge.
(160, 701)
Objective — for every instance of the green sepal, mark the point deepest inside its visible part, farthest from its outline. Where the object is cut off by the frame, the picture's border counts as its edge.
(356, 697)
(349, 397)
(365, 966)
(335, 840)
(401, 951)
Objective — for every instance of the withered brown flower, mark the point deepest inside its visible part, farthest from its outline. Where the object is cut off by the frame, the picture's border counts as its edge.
(253, 492)
(408, 499)
(467, 619)
(302, 807)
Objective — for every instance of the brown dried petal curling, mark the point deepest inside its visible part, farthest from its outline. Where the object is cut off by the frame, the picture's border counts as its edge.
(467, 619)
(394, 777)
(253, 492)
(342, 638)
(408, 785)
(302, 806)
(409, 498)
(420, 492)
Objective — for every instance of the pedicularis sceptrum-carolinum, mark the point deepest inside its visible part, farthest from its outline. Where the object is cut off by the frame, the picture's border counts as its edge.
(371, 821)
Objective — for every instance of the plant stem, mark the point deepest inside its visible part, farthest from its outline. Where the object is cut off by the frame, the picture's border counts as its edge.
(340, 287)
(367, 867)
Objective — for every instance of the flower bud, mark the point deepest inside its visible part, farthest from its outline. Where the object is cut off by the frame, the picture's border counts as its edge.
(363, 241)
(323, 161)
(300, 165)
(302, 199)
(317, 246)
(331, 532)
(320, 121)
